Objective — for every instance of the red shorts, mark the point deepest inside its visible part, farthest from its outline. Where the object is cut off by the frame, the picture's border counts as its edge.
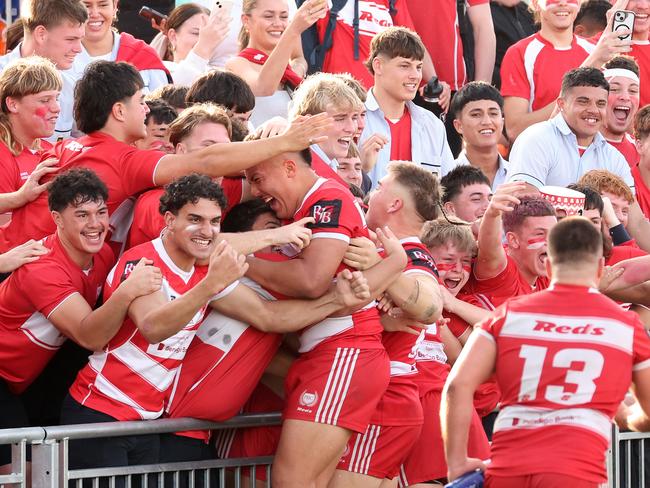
(380, 451)
(426, 461)
(540, 480)
(339, 386)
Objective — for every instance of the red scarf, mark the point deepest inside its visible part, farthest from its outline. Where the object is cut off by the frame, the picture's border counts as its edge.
(139, 54)
(290, 77)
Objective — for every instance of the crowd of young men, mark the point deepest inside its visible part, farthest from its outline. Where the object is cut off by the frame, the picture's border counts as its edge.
(402, 303)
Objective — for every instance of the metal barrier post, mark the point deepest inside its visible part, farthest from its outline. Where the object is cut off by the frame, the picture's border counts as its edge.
(46, 464)
(613, 471)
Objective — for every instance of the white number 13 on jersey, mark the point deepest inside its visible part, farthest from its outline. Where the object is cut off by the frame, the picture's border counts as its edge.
(534, 357)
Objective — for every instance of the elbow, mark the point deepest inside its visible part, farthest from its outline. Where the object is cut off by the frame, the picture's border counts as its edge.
(264, 91)
(149, 331)
(92, 344)
(315, 289)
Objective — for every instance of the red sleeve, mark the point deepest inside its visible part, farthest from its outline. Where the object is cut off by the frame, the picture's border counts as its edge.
(503, 284)
(514, 82)
(493, 324)
(137, 169)
(473, 3)
(456, 325)
(9, 174)
(47, 286)
(147, 221)
(403, 16)
(419, 260)
(641, 346)
(337, 216)
(233, 189)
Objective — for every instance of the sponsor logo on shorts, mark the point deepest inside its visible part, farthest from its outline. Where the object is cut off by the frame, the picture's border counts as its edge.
(307, 399)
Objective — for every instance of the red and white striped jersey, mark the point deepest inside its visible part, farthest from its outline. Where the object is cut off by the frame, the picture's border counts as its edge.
(130, 378)
(28, 340)
(338, 216)
(564, 363)
(533, 68)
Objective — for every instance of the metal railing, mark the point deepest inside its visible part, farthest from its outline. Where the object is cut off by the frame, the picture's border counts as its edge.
(626, 459)
(50, 468)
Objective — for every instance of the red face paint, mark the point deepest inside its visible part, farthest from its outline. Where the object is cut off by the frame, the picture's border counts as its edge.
(536, 243)
(467, 268)
(446, 266)
(41, 112)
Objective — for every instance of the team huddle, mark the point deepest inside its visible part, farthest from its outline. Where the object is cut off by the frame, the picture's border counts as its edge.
(261, 240)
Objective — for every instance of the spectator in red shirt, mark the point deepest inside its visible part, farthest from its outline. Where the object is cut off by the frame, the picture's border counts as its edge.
(29, 88)
(501, 272)
(437, 23)
(622, 73)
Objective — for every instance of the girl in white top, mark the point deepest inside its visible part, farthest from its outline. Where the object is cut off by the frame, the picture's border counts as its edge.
(271, 60)
(101, 41)
(192, 34)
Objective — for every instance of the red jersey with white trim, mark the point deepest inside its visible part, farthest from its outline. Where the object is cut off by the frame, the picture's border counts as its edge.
(338, 216)
(507, 284)
(28, 298)
(130, 378)
(533, 68)
(436, 21)
(642, 192)
(627, 148)
(396, 406)
(125, 170)
(641, 53)
(16, 169)
(564, 363)
(374, 17)
(400, 137)
(324, 170)
(148, 223)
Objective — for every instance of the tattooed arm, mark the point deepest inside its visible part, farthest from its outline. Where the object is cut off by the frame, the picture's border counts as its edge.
(418, 295)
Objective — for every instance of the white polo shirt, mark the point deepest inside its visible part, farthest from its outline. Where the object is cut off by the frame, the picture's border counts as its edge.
(501, 175)
(547, 153)
(65, 122)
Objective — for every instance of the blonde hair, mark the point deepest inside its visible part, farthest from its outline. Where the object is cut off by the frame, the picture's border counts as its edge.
(437, 233)
(318, 91)
(196, 115)
(244, 36)
(22, 77)
(353, 152)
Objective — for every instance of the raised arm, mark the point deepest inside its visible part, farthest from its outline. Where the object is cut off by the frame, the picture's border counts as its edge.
(264, 83)
(491, 259)
(234, 157)
(518, 115)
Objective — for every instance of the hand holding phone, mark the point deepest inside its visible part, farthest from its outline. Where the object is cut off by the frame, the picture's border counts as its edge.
(151, 14)
(224, 7)
(623, 21)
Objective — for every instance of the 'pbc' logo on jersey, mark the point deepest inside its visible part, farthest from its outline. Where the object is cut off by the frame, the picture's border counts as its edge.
(128, 269)
(326, 213)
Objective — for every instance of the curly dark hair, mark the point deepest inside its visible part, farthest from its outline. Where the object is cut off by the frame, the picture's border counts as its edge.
(76, 187)
(189, 189)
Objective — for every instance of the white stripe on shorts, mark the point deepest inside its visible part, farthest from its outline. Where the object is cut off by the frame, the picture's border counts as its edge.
(364, 448)
(338, 383)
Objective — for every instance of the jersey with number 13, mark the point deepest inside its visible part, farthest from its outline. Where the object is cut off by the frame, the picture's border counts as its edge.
(564, 363)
